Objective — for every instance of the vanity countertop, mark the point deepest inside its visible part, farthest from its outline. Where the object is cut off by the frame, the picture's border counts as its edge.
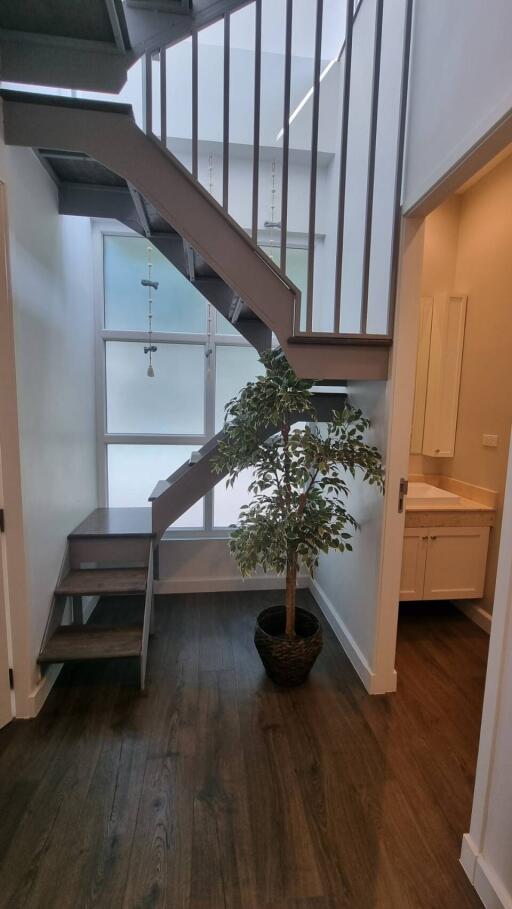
(461, 513)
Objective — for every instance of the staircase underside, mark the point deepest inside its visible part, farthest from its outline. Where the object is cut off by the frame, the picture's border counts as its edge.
(181, 216)
(91, 44)
(88, 189)
(173, 496)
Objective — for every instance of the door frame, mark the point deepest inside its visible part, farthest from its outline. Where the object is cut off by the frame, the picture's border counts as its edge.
(400, 394)
(400, 390)
(473, 859)
(6, 706)
(15, 590)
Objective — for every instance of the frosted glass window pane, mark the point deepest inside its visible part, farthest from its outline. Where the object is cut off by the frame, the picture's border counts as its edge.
(179, 101)
(227, 502)
(234, 367)
(177, 305)
(296, 270)
(172, 402)
(210, 106)
(225, 327)
(134, 471)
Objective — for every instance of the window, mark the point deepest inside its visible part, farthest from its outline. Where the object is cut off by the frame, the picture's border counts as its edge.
(178, 306)
(152, 425)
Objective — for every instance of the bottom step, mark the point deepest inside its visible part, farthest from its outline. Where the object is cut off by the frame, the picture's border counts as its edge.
(91, 642)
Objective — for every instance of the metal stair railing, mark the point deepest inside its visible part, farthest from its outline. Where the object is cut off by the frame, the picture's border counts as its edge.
(304, 328)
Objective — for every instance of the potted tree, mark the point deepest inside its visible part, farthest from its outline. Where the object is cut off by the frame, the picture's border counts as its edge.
(299, 493)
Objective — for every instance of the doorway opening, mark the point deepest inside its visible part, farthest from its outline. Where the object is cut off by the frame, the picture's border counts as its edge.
(462, 404)
(452, 443)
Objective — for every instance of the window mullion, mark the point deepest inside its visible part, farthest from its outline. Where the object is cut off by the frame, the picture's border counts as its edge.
(209, 397)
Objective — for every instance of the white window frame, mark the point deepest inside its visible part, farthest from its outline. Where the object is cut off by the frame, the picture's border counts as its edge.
(209, 339)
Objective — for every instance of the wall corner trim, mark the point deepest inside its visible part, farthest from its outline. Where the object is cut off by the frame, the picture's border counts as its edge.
(482, 875)
(469, 856)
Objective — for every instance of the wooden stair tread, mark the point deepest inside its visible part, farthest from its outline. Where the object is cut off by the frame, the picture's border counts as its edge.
(115, 522)
(92, 642)
(329, 339)
(105, 581)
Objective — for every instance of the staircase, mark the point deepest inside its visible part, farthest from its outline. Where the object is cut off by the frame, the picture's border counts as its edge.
(91, 45)
(109, 555)
(107, 133)
(174, 496)
(105, 166)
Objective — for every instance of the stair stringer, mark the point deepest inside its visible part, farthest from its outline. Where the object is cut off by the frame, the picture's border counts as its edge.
(172, 497)
(109, 134)
(116, 202)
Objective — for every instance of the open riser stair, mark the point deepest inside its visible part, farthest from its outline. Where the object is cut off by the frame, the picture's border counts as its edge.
(105, 166)
(111, 554)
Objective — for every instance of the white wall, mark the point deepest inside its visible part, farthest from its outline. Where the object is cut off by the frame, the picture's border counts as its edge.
(461, 84)
(50, 265)
(487, 848)
(195, 566)
(346, 585)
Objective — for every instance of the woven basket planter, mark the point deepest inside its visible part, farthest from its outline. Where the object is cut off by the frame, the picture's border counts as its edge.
(287, 661)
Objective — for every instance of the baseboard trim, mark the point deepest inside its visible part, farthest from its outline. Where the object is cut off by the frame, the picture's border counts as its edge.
(38, 695)
(476, 614)
(351, 648)
(468, 856)
(488, 885)
(222, 585)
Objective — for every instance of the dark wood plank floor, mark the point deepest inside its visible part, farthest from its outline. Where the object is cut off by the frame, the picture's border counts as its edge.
(216, 790)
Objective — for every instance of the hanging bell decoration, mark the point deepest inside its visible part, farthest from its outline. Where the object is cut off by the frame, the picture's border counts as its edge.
(151, 285)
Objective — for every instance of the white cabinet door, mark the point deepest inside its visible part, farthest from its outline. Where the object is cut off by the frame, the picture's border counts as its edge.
(414, 556)
(445, 363)
(420, 386)
(455, 563)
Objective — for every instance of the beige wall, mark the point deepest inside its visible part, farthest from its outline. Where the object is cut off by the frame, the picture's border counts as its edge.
(468, 250)
(437, 277)
(484, 272)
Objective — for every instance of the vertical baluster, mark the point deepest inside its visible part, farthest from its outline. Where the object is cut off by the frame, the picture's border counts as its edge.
(163, 97)
(286, 130)
(393, 276)
(314, 164)
(256, 133)
(194, 102)
(347, 70)
(147, 90)
(225, 134)
(370, 183)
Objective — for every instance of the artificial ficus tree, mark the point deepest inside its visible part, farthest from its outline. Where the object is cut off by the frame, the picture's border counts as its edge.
(299, 488)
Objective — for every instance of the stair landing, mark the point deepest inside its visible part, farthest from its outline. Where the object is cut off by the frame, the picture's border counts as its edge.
(115, 522)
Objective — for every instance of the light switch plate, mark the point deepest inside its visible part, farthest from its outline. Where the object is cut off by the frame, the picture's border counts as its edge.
(490, 441)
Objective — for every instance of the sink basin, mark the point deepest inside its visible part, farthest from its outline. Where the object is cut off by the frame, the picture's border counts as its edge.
(424, 494)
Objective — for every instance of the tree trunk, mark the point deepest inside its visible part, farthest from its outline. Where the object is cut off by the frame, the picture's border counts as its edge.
(291, 587)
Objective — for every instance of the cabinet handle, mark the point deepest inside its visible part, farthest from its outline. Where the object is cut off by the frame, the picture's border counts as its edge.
(433, 538)
(424, 538)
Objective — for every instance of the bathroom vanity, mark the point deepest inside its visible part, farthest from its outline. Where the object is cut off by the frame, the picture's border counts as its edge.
(445, 542)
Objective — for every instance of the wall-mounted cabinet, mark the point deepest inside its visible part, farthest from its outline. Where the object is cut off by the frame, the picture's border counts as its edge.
(444, 563)
(438, 369)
